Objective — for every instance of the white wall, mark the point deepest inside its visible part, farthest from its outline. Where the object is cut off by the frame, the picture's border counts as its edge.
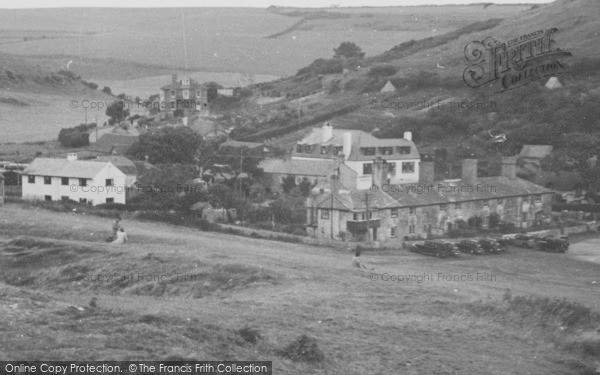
(96, 190)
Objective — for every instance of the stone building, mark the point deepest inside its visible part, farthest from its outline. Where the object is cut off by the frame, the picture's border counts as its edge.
(392, 213)
(184, 94)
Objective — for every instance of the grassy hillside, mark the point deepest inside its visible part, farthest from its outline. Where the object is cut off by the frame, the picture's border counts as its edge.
(281, 291)
(428, 76)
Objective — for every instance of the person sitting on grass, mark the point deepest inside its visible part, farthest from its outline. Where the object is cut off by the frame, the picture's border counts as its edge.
(121, 237)
(356, 260)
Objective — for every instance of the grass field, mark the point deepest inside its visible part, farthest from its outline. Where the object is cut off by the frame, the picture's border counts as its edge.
(363, 324)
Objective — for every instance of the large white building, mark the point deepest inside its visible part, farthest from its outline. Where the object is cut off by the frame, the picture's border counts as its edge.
(86, 181)
(358, 150)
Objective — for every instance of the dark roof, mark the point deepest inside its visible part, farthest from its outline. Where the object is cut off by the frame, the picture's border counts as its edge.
(440, 192)
(116, 143)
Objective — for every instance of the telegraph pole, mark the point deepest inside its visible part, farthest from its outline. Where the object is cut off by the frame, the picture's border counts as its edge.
(367, 204)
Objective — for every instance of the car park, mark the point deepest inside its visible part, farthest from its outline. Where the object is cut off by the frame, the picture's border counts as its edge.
(449, 248)
(491, 246)
(470, 246)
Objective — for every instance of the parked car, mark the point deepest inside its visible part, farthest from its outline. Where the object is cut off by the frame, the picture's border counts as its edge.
(491, 246)
(470, 246)
(523, 240)
(443, 246)
(552, 244)
(424, 249)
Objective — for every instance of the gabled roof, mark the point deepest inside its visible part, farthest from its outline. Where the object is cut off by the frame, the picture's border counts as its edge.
(297, 167)
(356, 200)
(117, 143)
(440, 192)
(125, 165)
(65, 168)
(535, 151)
(360, 139)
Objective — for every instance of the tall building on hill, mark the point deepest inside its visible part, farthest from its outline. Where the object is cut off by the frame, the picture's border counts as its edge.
(326, 147)
(183, 93)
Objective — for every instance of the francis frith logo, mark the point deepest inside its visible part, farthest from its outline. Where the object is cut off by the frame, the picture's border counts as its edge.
(515, 62)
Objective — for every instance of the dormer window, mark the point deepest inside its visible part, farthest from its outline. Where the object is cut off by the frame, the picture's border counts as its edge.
(404, 150)
(386, 150)
(368, 151)
(185, 81)
(323, 150)
(300, 148)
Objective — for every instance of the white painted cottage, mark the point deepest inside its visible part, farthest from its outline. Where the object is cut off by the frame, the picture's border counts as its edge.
(86, 181)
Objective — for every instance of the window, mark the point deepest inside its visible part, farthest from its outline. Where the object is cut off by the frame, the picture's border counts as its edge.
(404, 150)
(324, 214)
(64, 181)
(109, 182)
(355, 216)
(298, 180)
(82, 200)
(31, 179)
(363, 216)
(299, 148)
(394, 212)
(368, 168)
(82, 182)
(338, 150)
(411, 210)
(386, 150)
(198, 93)
(172, 93)
(110, 200)
(47, 197)
(411, 229)
(186, 94)
(323, 150)
(393, 232)
(457, 206)
(392, 168)
(538, 198)
(408, 167)
(370, 215)
(47, 180)
(368, 150)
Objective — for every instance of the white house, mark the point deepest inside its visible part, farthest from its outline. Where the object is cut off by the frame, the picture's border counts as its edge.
(357, 150)
(86, 181)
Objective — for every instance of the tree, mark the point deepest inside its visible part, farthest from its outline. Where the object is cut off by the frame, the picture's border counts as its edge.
(289, 183)
(175, 145)
(212, 90)
(107, 90)
(117, 112)
(349, 50)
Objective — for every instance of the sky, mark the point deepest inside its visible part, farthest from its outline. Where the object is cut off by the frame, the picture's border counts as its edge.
(240, 3)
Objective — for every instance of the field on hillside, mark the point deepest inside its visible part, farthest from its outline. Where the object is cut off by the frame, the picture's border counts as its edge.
(250, 298)
(221, 39)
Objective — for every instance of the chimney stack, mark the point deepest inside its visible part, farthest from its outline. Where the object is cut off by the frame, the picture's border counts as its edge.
(347, 145)
(380, 172)
(509, 167)
(469, 170)
(327, 132)
(71, 157)
(335, 182)
(426, 172)
(407, 135)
